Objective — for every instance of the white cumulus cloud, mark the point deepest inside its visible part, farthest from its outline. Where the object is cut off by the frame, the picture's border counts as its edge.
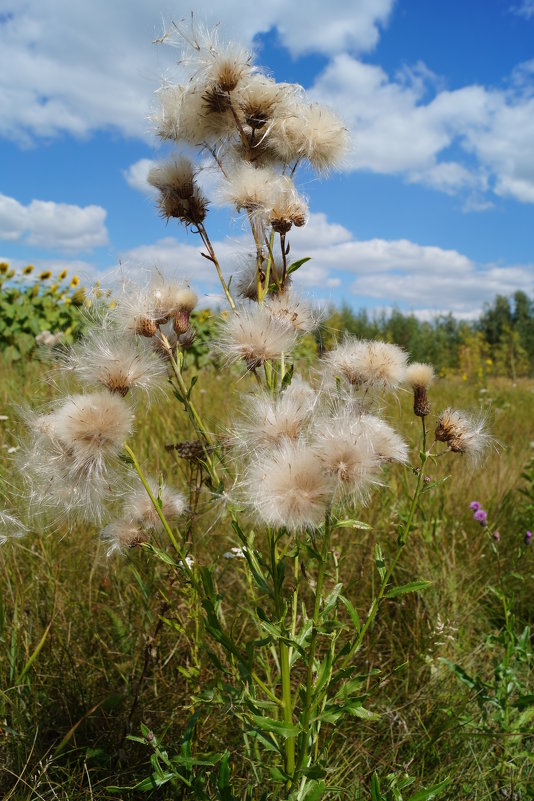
(46, 224)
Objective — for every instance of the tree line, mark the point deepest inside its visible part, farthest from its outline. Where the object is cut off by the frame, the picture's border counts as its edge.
(499, 342)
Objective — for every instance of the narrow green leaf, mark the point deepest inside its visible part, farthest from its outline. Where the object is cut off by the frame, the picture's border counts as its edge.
(379, 561)
(376, 795)
(352, 612)
(430, 793)
(413, 586)
(275, 726)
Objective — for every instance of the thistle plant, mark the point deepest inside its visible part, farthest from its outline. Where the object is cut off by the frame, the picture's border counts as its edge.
(291, 470)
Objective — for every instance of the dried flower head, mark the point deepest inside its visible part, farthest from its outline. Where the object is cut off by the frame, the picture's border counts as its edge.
(269, 421)
(91, 428)
(419, 376)
(387, 444)
(288, 487)
(287, 207)
(174, 301)
(140, 508)
(312, 132)
(260, 99)
(121, 535)
(251, 188)
(463, 433)
(347, 453)
(253, 335)
(175, 175)
(289, 309)
(117, 363)
(367, 363)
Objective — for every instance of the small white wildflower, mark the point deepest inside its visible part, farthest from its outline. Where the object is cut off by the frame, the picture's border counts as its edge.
(235, 553)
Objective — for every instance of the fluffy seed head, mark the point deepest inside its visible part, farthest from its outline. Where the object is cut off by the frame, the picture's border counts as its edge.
(385, 442)
(419, 374)
(251, 188)
(91, 427)
(121, 535)
(270, 421)
(312, 132)
(173, 301)
(288, 487)
(10, 526)
(367, 363)
(289, 309)
(253, 335)
(140, 508)
(117, 363)
(287, 207)
(176, 175)
(463, 433)
(260, 99)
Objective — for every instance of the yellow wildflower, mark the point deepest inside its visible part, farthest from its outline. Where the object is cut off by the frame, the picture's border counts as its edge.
(45, 275)
(28, 269)
(4, 267)
(75, 281)
(62, 275)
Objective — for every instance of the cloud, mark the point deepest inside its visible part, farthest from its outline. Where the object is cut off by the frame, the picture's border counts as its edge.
(425, 279)
(136, 176)
(43, 223)
(407, 274)
(405, 125)
(524, 9)
(81, 67)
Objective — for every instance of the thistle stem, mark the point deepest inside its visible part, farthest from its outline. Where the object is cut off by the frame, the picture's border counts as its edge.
(285, 671)
(303, 740)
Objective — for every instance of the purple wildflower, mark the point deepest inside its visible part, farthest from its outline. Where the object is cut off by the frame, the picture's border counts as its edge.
(481, 516)
(475, 506)
(496, 536)
(528, 538)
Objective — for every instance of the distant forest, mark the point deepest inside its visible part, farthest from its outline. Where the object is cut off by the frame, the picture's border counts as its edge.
(500, 342)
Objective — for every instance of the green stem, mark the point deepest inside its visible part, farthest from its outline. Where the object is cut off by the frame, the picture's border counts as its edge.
(403, 536)
(303, 739)
(160, 514)
(287, 706)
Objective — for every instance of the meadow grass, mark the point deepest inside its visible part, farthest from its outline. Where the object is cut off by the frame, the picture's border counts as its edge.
(76, 628)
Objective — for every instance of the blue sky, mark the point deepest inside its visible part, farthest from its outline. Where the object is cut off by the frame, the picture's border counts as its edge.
(432, 213)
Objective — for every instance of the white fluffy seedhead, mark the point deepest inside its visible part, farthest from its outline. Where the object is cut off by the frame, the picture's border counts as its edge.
(250, 188)
(59, 488)
(139, 507)
(176, 174)
(347, 454)
(419, 375)
(288, 308)
(122, 535)
(288, 487)
(384, 440)
(116, 362)
(367, 363)
(10, 527)
(254, 336)
(311, 132)
(269, 421)
(91, 429)
(463, 433)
